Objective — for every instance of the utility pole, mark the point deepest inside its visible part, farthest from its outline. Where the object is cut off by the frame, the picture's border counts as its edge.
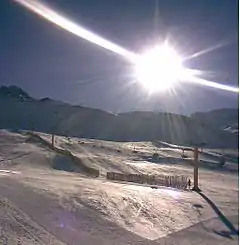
(195, 170)
(54, 128)
(32, 125)
(53, 140)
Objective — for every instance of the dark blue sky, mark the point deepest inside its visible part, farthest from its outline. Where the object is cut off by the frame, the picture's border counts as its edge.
(47, 61)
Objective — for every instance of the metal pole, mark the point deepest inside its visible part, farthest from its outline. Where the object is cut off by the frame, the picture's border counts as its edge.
(54, 128)
(195, 171)
(53, 140)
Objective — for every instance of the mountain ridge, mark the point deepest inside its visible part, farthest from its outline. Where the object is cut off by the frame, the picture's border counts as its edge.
(21, 111)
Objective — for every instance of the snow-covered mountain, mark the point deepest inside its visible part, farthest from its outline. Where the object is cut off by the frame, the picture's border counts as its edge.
(20, 111)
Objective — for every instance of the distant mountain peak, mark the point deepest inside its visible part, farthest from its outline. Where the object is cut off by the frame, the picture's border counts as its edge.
(46, 99)
(15, 92)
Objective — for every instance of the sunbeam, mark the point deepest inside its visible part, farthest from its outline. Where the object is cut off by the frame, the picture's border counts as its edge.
(207, 50)
(56, 18)
(158, 76)
(205, 82)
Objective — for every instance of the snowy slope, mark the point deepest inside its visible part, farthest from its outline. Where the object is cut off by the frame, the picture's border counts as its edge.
(70, 208)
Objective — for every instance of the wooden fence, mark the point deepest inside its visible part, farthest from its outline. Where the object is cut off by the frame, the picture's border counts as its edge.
(159, 180)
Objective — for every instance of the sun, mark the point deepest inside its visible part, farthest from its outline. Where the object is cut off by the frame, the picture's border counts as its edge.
(159, 69)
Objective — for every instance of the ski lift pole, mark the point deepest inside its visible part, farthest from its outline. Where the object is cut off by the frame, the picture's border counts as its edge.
(195, 170)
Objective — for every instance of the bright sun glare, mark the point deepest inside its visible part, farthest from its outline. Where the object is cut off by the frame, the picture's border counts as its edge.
(159, 68)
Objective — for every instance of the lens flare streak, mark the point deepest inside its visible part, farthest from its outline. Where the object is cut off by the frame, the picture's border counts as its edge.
(207, 50)
(53, 16)
(207, 83)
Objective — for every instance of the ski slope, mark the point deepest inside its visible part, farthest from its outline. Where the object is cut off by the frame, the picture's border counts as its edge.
(48, 206)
